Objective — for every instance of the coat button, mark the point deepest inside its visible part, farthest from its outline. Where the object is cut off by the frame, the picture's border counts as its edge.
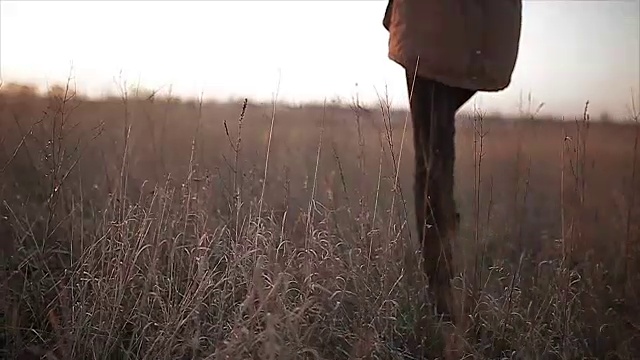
(478, 52)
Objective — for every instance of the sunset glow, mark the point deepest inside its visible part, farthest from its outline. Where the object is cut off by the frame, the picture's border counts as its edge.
(571, 51)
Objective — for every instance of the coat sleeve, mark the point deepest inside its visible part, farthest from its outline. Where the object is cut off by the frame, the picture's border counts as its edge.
(387, 15)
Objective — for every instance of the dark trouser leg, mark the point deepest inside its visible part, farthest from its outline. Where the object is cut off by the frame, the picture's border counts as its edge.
(433, 108)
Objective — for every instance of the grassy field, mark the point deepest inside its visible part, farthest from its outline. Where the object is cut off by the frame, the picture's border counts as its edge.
(159, 228)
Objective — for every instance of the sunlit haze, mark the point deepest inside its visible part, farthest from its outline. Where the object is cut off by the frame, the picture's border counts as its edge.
(571, 51)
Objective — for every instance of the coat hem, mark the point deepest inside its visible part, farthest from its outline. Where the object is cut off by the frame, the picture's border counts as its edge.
(453, 81)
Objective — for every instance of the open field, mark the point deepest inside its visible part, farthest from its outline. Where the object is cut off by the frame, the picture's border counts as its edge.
(144, 228)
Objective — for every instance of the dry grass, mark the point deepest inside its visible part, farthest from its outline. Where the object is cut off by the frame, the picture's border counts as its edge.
(146, 228)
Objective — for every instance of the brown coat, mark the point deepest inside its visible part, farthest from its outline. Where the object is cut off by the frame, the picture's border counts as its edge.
(472, 44)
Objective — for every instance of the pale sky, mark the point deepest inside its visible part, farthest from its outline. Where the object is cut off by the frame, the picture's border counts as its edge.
(570, 52)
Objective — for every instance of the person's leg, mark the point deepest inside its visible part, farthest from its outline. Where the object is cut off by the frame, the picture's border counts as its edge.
(433, 107)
